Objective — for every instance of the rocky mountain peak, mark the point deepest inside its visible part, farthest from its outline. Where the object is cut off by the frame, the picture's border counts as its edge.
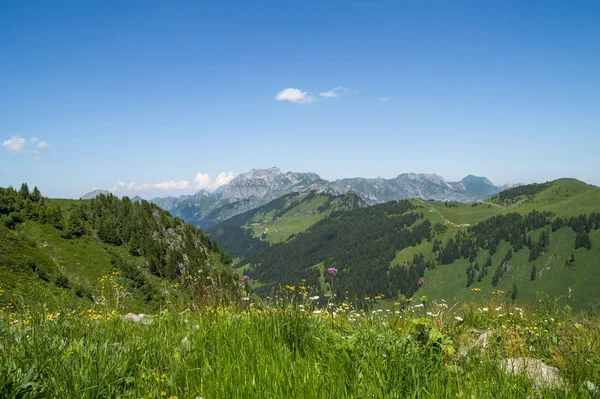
(259, 186)
(94, 194)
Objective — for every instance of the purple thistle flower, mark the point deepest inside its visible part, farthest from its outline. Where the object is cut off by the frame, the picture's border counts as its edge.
(246, 278)
(421, 281)
(333, 271)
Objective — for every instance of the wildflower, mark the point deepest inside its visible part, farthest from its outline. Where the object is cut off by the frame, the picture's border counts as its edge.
(458, 318)
(246, 278)
(421, 281)
(333, 271)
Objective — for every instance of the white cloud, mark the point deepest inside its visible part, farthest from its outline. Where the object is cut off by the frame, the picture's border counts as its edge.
(383, 99)
(118, 185)
(335, 92)
(223, 178)
(295, 96)
(203, 181)
(19, 144)
(167, 185)
(15, 144)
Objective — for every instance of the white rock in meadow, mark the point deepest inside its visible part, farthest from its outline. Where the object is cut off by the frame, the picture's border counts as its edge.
(542, 375)
(137, 318)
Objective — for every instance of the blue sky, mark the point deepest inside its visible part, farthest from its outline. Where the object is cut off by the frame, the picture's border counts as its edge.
(157, 95)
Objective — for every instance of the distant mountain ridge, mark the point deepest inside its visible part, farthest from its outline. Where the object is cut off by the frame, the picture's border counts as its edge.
(94, 194)
(257, 187)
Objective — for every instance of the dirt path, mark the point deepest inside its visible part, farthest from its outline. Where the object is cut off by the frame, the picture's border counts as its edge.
(491, 203)
(446, 221)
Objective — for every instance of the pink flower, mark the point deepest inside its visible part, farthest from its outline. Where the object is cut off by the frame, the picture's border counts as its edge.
(246, 278)
(333, 271)
(421, 281)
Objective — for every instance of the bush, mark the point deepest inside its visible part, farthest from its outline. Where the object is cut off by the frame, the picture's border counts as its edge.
(62, 281)
(83, 292)
(11, 220)
(43, 273)
(66, 234)
(29, 241)
(38, 269)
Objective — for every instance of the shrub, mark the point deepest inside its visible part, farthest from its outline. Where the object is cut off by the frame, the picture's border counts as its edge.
(62, 281)
(83, 292)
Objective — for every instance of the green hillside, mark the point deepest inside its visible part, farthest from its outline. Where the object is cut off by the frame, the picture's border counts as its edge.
(551, 231)
(278, 221)
(86, 252)
(554, 274)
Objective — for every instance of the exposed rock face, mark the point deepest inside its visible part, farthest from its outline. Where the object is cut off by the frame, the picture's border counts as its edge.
(267, 184)
(259, 186)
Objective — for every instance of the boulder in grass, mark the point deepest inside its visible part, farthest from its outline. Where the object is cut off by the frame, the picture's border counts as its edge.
(137, 318)
(542, 375)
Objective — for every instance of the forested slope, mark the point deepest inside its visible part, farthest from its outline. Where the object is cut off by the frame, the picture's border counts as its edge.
(526, 242)
(73, 251)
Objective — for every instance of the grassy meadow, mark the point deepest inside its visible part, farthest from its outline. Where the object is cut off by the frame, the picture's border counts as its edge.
(296, 346)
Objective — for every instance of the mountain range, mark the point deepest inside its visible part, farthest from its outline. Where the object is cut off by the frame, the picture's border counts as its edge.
(257, 187)
(542, 238)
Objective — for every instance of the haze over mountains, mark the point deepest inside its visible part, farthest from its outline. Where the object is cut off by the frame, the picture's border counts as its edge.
(259, 186)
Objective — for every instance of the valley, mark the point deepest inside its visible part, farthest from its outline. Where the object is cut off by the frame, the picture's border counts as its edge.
(306, 251)
(299, 200)
(325, 285)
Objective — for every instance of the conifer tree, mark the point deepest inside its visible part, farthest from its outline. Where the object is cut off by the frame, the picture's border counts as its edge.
(35, 195)
(24, 191)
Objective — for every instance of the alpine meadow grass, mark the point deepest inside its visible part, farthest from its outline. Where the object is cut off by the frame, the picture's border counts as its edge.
(292, 348)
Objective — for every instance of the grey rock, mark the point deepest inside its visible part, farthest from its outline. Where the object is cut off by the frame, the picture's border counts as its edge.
(137, 318)
(542, 375)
